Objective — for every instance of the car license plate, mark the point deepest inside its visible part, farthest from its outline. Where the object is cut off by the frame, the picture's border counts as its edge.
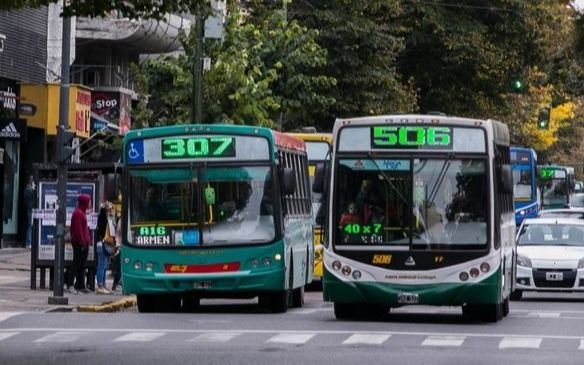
(202, 284)
(408, 298)
(554, 276)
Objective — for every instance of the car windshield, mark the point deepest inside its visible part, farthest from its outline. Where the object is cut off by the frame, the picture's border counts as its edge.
(551, 234)
(552, 213)
(234, 205)
(423, 202)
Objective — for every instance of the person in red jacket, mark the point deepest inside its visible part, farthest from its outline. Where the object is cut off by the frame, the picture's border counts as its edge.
(81, 241)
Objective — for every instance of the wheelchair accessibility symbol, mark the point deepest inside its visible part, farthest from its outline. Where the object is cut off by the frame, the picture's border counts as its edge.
(136, 152)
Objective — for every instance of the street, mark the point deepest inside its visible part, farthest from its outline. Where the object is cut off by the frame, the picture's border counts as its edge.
(541, 329)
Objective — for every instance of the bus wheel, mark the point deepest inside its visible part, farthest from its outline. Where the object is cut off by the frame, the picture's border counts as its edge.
(346, 311)
(170, 303)
(147, 303)
(298, 297)
(505, 307)
(374, 311)
(486, 313)
(190, 302)
(276, 302)
(516, 295)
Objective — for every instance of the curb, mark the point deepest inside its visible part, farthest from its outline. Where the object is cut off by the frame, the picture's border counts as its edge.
(113, 306)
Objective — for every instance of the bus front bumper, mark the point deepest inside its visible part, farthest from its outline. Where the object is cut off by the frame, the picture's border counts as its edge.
(447, 294)
(242, 282)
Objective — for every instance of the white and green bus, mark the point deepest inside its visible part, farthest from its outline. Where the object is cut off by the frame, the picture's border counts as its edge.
(420, 211)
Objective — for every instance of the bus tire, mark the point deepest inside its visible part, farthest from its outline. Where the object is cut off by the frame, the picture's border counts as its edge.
(516, 295)
(506, 307)
(277, 302)
(346, 311)
(190, 302)
(485, 313)
(146, 303)
(298, 297)
(373, 312)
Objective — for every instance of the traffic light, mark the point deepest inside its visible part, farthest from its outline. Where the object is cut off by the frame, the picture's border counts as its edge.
(543, 118)
(64, 140)
(518, 85)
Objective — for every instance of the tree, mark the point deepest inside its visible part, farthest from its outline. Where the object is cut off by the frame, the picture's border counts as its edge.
(261, 73)
(363, 44)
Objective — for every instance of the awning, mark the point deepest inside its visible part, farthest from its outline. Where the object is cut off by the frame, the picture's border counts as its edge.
(101, 124)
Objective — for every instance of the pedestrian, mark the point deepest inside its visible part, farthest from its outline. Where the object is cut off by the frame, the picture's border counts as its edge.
(106, 243)
(116, 265)
(81, 241)
(29, 196)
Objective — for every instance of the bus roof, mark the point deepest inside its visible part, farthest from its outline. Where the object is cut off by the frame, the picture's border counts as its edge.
(500, 130)
(313, 137)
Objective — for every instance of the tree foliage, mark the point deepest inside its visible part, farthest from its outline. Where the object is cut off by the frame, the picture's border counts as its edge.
(262, 73)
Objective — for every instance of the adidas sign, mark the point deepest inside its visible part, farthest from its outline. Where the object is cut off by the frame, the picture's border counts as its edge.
(9, 131)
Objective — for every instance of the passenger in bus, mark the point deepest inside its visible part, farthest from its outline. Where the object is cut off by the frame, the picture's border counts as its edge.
(364, 195)
(153, 208)
(350, 216)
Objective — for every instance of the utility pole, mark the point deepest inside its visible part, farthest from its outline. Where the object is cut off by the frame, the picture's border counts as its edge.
(197, 113)
(63, 136)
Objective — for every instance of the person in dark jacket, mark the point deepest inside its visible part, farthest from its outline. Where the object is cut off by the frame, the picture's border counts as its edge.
(81, 241)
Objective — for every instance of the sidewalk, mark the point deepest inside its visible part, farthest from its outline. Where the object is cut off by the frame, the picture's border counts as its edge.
(16, 295)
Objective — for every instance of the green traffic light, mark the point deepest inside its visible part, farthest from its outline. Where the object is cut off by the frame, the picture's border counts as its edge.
(517, 84)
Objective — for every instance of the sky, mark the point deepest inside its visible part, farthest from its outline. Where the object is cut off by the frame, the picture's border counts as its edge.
(579, 4)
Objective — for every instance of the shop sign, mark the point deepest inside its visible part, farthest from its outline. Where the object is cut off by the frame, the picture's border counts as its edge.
(12, 128)
(82, 113)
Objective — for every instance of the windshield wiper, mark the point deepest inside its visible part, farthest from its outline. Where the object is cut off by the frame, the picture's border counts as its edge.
(386, 177)
(438, 184)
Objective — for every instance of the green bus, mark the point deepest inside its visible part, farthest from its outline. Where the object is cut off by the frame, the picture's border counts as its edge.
(420, 212)
(215, 211)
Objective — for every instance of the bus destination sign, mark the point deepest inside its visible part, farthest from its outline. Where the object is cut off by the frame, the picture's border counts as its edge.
(411, 137)
(197, 147)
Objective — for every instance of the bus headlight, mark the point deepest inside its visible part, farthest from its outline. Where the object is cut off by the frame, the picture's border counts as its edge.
(485, 267)
(474, 272)
(149, 266)
(254, 263)
(463, 276)
(346, 270)
(266, 261)
(337, 265)
(138, 265)
(523, 261)
(356, 275)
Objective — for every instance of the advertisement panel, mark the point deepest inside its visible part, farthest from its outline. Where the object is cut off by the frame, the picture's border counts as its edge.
(82, 113)
(46, 215)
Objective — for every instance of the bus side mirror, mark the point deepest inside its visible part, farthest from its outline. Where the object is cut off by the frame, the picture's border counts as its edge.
(289, 181)
(507, 179)
(318, 184)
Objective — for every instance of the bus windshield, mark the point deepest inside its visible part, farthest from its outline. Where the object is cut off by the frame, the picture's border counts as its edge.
(209, 206)
(421, 202)
(522, 183)
(554, 192)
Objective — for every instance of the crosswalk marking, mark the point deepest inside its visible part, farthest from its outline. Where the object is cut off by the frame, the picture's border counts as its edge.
(581, 345)
(452, 341)
(61, 337)
(140, 336)
(5, 315)
(215, 337)
(291, 338)
(544, 314)
(6, 335)
(520, 343)
(368, 339)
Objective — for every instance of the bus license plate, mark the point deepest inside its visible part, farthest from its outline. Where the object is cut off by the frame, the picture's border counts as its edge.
(408, 298)
(202, 284)
(554, 276)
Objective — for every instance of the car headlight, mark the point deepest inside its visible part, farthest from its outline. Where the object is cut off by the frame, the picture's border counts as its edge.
(581, 263)
(523, 261)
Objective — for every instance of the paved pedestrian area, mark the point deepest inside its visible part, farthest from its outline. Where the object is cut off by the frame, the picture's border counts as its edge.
(16, 293)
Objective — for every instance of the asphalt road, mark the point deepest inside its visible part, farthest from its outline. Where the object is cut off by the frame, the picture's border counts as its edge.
(539, 330)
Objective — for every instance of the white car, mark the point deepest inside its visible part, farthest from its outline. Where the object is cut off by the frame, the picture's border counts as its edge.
(550, 256)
